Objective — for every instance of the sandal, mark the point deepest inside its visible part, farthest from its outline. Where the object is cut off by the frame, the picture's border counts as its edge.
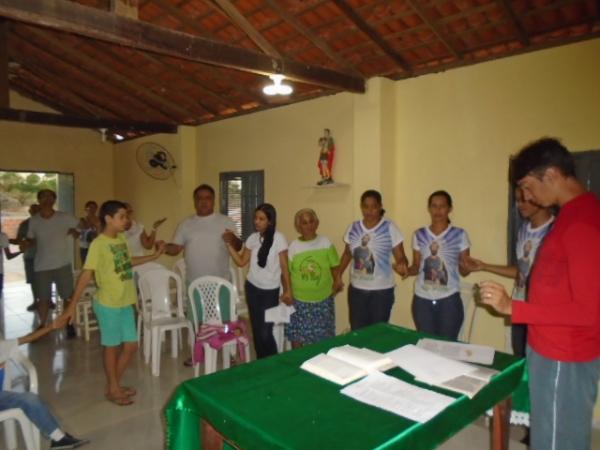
(119, 401)
(128, 391)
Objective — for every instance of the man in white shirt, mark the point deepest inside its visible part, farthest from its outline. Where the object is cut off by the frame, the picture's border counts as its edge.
(203, 238)
(49, 231)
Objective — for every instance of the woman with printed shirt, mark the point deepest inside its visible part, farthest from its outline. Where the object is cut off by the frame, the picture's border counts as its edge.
(439, 255)
(370, 245)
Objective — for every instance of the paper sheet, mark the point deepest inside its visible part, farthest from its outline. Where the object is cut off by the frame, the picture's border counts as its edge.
(480, 354)
(279, 314)
(396, 396)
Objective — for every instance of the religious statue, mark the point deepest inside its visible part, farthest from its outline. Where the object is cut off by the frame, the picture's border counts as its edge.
(326, 153)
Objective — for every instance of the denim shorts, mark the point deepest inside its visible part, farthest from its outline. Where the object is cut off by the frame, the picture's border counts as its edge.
(117, 325)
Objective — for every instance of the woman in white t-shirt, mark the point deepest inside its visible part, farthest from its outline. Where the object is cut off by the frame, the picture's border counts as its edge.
(439, 258)
(138, 239)
(266, 251)
(371, 243)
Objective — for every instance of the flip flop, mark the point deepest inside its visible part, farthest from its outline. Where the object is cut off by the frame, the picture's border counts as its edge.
(128, 391)
(119, 401)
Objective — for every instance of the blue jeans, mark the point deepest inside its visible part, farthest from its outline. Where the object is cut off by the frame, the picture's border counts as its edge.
(368, 307)
(33, 407)
(442, 317)
(563, 395)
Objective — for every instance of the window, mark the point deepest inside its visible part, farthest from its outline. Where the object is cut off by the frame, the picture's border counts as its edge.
(241, 193)
(587, 166)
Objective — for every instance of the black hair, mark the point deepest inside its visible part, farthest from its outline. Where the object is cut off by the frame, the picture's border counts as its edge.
(45, 191)
(110, 208)
(204, 187)
(440, 194)
(538, 156)
(91, 202)
(375, 195)
(269, 234)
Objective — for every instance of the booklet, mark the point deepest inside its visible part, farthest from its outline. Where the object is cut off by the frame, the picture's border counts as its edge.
(280, 313)
(431, 368)
(480, 354)
(396, 396)
(345, 364)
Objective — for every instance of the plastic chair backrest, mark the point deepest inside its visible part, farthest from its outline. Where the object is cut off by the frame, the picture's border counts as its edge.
(155, 287)
(467, 297)
(208, 303)
(180, 268)
(15, 365)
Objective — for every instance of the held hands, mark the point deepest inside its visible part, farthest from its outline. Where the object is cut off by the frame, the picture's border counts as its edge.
(401, 269)
(472, 264)
(65, 318)
(229, 237)
(338, 286)
(160, 247)
(286, 297)
(495, 295)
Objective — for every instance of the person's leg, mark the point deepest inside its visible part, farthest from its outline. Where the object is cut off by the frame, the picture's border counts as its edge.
(424, 315)
(562, 402)
(29, 278)
(64, 286)
(33, 407)
(380, 304)
(258, 301)
(450, 315)
(519, 339)
(129, 347)
(43, 283)
(358, 306)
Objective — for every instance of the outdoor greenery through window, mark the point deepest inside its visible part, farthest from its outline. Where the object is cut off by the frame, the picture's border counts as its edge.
(241, 193)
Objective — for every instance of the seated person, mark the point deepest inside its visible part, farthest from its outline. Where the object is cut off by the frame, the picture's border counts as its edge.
(31, 404)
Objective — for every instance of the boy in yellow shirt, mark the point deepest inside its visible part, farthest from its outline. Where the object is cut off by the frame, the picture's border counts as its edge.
(110, 262)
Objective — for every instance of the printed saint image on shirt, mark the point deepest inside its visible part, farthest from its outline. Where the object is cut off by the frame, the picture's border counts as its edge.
(363, 257)
(122, 261)
(310, 270)
(434, 268)
(524, 264)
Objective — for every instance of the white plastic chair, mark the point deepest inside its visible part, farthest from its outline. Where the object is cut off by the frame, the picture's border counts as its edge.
(207, 289)
(470, 308)
(237, 280)
(160, 315)
(16, 364)
(137, 272)
(85, 321)
(180, 269)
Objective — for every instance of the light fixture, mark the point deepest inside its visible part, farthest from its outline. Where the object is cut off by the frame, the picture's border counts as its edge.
(277, 88)
(118, 137)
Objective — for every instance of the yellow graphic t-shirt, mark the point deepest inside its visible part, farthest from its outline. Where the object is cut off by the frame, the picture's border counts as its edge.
(110, 260)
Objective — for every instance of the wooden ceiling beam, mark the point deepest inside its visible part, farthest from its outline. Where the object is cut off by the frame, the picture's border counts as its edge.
(514, 20)
(25, 89)
(74, 18)
(4, 87)
(433, 27)
(34, 117)
(171, 111)
(353, 17)
(68, 60)
(238, 19)
(312, 37)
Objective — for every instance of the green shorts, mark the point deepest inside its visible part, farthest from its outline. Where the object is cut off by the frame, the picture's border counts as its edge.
(117, 325)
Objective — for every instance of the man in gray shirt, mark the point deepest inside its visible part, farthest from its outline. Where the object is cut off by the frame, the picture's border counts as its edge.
(49, 231)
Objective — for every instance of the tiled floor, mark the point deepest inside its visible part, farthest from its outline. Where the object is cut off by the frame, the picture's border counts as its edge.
(72, 383)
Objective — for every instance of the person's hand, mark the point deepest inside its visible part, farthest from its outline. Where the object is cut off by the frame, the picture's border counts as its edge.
(472, 264)
(158, 223)
(64, 319)
(495, 295)
(160, 247)
(401, 269)
(24, 245)
(229, 237)
(338, 286)
(286, 298)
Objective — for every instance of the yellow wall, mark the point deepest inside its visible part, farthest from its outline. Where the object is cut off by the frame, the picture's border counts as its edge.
(71, 150)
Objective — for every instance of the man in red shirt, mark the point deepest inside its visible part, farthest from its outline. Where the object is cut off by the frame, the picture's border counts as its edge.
(563, 301)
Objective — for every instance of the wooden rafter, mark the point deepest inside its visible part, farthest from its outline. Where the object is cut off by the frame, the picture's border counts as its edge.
(90, 22)
(152, 100)
(353, 17)
(17, 115)
(70, 61)
(512, 17)
(24, 89)
(4, 87)
(311, 36)
(238, 18)
(186, 20)
(433, 27)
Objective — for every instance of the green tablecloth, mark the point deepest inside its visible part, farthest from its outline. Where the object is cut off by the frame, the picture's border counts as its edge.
(273, 404)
